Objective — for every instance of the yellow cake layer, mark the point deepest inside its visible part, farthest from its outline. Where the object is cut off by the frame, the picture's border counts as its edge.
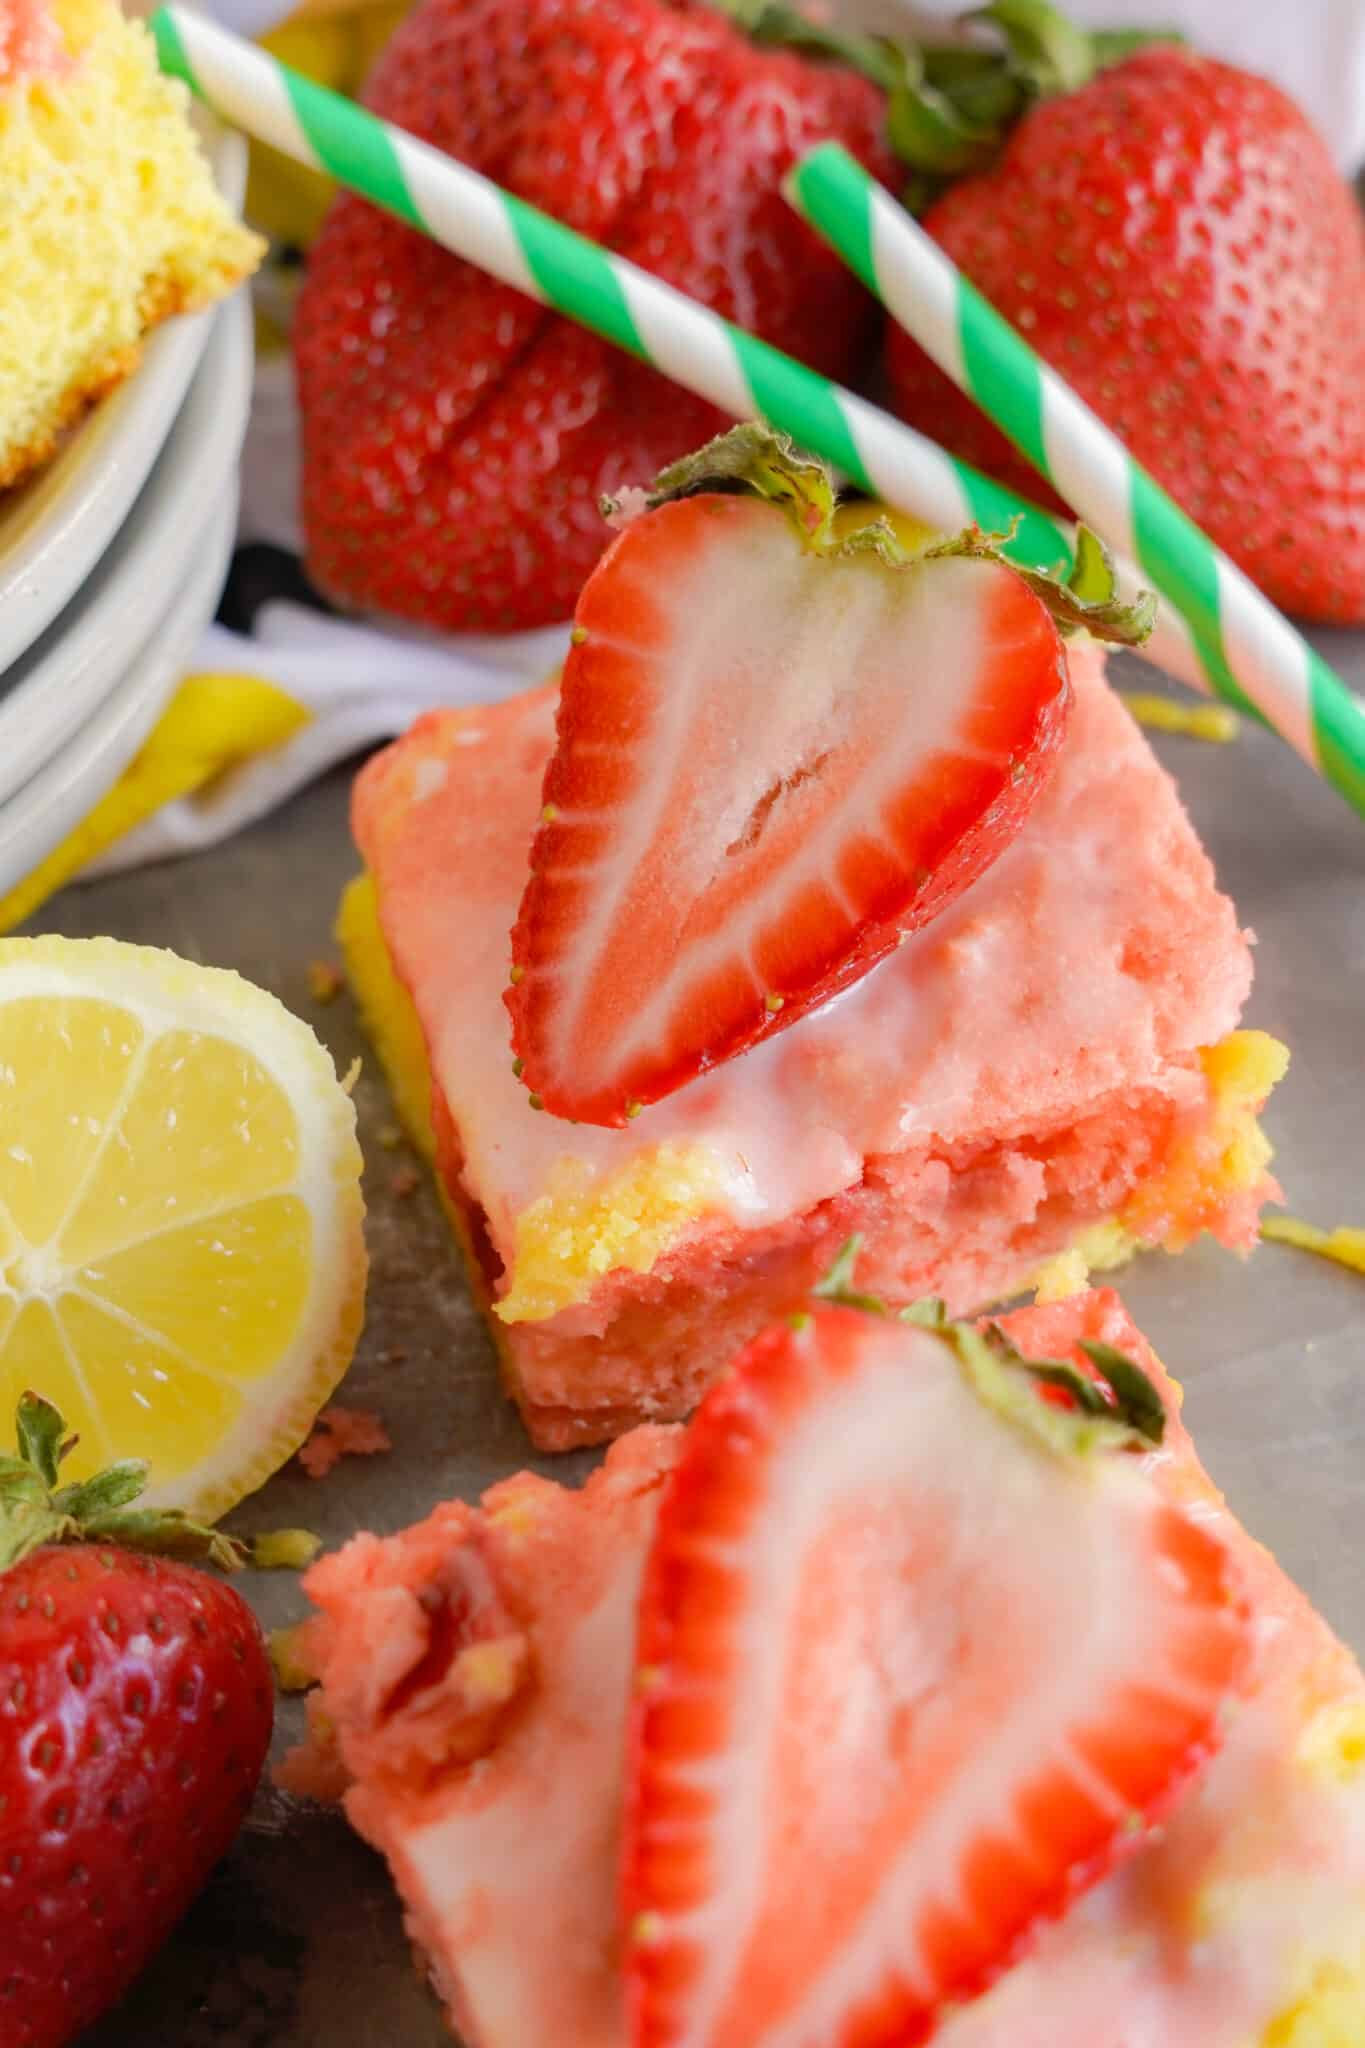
(580, 1229)
(111, 222)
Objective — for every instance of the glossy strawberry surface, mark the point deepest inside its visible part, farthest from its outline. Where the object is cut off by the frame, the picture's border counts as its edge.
(772, 759)
(1176, 239)
(136, 1703)
(457, 436)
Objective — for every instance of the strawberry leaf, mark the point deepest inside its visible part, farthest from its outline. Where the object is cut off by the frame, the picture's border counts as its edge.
(166, 1532)
(40, 1431)
(936, 137)
(34, 1513)
(838, 1286)
(955, 101)
(1055, 1372)
(1047, 49)
(1125, 1397)
(770, 24)
(930, 1313)
(1135, 1398)
(113, 1488)
(1087, 601)
(752, 459)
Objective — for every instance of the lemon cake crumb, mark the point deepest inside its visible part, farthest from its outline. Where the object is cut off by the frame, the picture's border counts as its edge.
(1216, 722)
(1058, 1279)
(285, 1550)
(1345, 1245)
(1328, 2013)
(1333, 1743)
(386, 1011)
(579, 1231)
(1229, 1153)
(293, 1672)
(585, 1227)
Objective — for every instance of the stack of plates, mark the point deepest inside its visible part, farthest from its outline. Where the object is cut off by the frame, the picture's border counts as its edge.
(111, 562)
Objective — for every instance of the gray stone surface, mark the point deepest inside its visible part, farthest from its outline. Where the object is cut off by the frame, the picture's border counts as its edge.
(298, 1942)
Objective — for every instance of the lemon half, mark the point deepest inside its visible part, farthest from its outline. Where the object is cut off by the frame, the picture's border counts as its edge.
(182, 1259)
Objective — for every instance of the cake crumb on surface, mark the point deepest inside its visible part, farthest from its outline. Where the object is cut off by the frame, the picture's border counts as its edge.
(285, 1550)
(293, 1672)
(1345, 1245)
(1216, 722)
(1058, 1279)
(325, 980)
(342, 1433)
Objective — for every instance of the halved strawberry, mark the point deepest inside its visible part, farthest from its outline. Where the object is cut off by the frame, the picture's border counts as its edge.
(777, 752)
(921, 1654)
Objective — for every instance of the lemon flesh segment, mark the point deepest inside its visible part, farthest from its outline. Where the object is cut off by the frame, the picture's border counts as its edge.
(64, 1065)
(227, 1294)
(204, 1127)
(181, 1250)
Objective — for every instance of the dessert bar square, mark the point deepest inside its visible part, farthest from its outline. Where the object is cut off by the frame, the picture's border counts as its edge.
(1050, 1070)
(493, 1786)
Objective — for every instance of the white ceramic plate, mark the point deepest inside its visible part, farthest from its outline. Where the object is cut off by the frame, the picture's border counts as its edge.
(54, 529)
(55, 801)
(62, 680)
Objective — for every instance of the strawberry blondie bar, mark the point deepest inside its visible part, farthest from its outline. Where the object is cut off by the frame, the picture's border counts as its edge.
(502, 1707)
(1049, 1070)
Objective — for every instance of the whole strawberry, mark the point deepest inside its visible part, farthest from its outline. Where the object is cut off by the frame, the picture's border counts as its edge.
(135, 1713)
(457, 437)
(1172, 234)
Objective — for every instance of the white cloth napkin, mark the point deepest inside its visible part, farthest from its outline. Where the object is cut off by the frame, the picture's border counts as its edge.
(365, 683)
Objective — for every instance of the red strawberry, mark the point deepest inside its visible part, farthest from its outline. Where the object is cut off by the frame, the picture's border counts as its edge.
(1175, 238)
(136, 1703)
(777, 752)
(907, 1626)
(457, 437)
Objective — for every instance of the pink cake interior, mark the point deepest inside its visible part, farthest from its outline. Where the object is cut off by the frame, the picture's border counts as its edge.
(514, 1616)
(507, 1864)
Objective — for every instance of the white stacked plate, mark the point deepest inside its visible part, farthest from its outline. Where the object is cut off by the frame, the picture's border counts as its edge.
(111, 562)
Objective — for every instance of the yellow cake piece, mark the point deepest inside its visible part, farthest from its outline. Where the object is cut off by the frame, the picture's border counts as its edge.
(111, 221)
(1217, 723)
(582, 1228)
(386, 1011)
(1328, 2013)
(1345, 1245)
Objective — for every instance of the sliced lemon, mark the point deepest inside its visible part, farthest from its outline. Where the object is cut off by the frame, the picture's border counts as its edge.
(182, 1258)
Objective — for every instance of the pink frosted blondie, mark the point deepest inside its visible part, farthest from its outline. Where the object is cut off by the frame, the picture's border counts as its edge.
(475, 1677)
(1044, 1070)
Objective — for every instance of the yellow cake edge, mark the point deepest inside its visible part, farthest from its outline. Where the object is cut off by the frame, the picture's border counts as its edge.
(582, 1228)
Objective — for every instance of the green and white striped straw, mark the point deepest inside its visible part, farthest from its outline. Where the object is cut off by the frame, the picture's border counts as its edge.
(1239, 647)
(741, 375)
(470, 215)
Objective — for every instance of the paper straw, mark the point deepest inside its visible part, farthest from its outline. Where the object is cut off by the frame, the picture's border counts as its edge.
(526, 249)
(1248, 651)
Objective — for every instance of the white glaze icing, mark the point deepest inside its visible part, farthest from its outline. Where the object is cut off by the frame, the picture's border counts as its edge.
(1095, 956)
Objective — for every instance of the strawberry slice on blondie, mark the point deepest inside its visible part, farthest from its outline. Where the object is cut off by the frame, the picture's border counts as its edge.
(1051, 1069)
(983, 1719)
